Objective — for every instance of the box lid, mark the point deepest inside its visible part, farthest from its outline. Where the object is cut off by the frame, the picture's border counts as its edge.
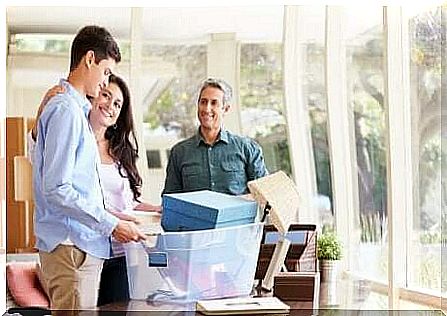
(210, 206)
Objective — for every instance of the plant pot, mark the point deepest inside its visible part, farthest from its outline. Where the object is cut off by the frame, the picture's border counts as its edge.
(328, 270)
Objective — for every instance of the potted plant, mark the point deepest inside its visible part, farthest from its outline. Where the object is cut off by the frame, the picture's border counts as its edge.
(328, 254)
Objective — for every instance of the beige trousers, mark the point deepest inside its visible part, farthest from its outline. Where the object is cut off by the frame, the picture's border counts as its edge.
(72, 277)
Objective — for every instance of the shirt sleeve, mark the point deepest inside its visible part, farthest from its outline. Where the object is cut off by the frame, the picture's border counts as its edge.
(62, 132)
(30, 147)
(173, 182)
(256, 166)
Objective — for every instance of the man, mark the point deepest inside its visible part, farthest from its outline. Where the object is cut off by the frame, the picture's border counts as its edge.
(72, 227)
(214, 159)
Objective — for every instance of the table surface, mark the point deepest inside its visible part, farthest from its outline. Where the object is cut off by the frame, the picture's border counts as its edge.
(329, 298)
(297, 308)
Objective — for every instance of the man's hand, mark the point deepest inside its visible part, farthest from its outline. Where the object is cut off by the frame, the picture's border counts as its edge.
(50, 93)
(247, 196)
(127, 231)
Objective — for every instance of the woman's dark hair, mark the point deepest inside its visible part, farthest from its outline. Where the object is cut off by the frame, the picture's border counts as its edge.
(123, 145)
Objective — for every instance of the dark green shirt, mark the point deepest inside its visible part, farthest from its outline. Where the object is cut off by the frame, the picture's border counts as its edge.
(224, 167)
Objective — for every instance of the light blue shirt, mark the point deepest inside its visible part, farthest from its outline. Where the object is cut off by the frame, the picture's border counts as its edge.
(68, 199)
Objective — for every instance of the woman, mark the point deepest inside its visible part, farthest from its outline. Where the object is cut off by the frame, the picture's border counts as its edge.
(112, 124)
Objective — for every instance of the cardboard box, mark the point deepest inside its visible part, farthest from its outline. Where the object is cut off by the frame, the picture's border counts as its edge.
(205, 210)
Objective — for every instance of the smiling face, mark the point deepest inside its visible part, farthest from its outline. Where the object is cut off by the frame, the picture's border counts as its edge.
(98, 74)
(211, 109)
(106, 108)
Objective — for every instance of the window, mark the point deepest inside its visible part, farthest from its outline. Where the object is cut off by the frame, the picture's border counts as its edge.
(365, 84)
(171, 102)
(36, 43)
(153, 159)
(55, 44)
(426, 32)
(314, 94)
(262, 107)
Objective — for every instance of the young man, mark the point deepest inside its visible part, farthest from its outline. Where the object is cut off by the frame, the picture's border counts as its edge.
(72, 228)
(214, 159)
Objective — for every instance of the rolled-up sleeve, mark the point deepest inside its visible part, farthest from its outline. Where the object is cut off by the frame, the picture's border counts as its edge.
(256, 166)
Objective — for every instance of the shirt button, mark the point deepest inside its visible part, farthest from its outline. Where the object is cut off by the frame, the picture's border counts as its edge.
(212, 184)
(209, 148)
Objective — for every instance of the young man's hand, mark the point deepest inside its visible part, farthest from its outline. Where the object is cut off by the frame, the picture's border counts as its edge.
(127, 231)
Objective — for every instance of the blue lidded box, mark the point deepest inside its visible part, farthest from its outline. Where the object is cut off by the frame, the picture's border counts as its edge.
(205, 210)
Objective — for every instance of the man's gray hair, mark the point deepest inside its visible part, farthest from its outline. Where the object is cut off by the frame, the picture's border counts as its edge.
(219, 84)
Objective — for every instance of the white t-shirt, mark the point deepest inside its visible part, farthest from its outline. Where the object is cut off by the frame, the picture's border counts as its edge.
(118, 195)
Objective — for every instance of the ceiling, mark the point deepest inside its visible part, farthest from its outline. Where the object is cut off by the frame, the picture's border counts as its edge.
(254, 23)
(262, 23)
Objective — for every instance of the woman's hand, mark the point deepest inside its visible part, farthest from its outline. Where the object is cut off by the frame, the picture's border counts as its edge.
(50, 93)
(124, 217)
(147, 207)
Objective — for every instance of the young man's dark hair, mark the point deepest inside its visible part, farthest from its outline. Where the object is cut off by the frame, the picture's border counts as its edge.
(96, 39)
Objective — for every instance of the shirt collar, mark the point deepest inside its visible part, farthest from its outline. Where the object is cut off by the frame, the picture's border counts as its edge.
(81, 100)
(223, 136)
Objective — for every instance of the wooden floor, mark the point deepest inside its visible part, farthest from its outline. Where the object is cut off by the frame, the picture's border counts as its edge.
(357, 294)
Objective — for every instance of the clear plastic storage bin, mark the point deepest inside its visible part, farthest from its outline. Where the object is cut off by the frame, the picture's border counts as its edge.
(188, 266)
